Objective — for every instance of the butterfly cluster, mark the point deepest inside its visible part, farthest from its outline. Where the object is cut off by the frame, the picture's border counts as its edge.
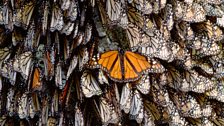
(111, 62)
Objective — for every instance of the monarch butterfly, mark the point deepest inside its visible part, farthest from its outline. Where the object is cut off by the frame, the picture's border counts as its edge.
(79, 121)
(219, 21)
(72, 66)
(76, 29)
(87, 34)
(107, 113)
(215, 2)
(194, 13)
(83, 57)
(158, 5)
(217, 92)
(187, 105)
(31, 107)
(65, 4)
(198, 83)
(217, 65)
(67, 28)
(144, 84)
(6, 17)
(102, 78)
(10, 100)
(72, 11)
(55, 103)
(135, 17)
(23, 15)
(60, 79)
(136, 109)
(114, 9)
(133, 34)
(160, 95)
(123, 69)
(23, 63)
(36, 84)
(175, 118)
(23, 106)
(151, 43)
(102, 13)
(35, 101)
(48, 64)
(185, 31)
(148, 120)
(169, 21)
(207, 111)
(45, 6)
(4, 56)
(142, 5)
(44, 111)
(210, 30)
(89, 84)
(126, 96)
(213, 10)
(57, 22)
(32, 38)
(174, 78)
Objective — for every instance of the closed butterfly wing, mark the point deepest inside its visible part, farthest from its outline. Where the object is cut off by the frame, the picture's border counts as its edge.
(107, 112)
(102, 78)
(151, 43)
(10, 100)
(79, 120)
(72, 66)
(36, 84)
(160, 95)
(126, 96)
(89, 84)
(83, 57)
(23, 106)
(187, 105)
(23, 15)
(133, 34)
(72, 11)
(23, 63)
(175, 118)
(144, 84)
(217, 92)
(45, 18)
(136, 110)
(148, 120)
(68, 28)
(4, 55)
(57, 22)
(198, 83)
(220, 21)
(32, 39)
(114, 9)
(65, 4)
(135, 17)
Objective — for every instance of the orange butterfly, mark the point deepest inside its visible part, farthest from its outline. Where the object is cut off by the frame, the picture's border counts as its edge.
(36, 85)
(123, 69)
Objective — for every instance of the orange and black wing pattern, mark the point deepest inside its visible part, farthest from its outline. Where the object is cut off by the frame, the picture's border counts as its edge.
(110, 61)
(128, 69)
(134, 65)
(36, 79)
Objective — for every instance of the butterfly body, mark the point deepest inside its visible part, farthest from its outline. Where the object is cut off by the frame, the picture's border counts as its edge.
(124, 67)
